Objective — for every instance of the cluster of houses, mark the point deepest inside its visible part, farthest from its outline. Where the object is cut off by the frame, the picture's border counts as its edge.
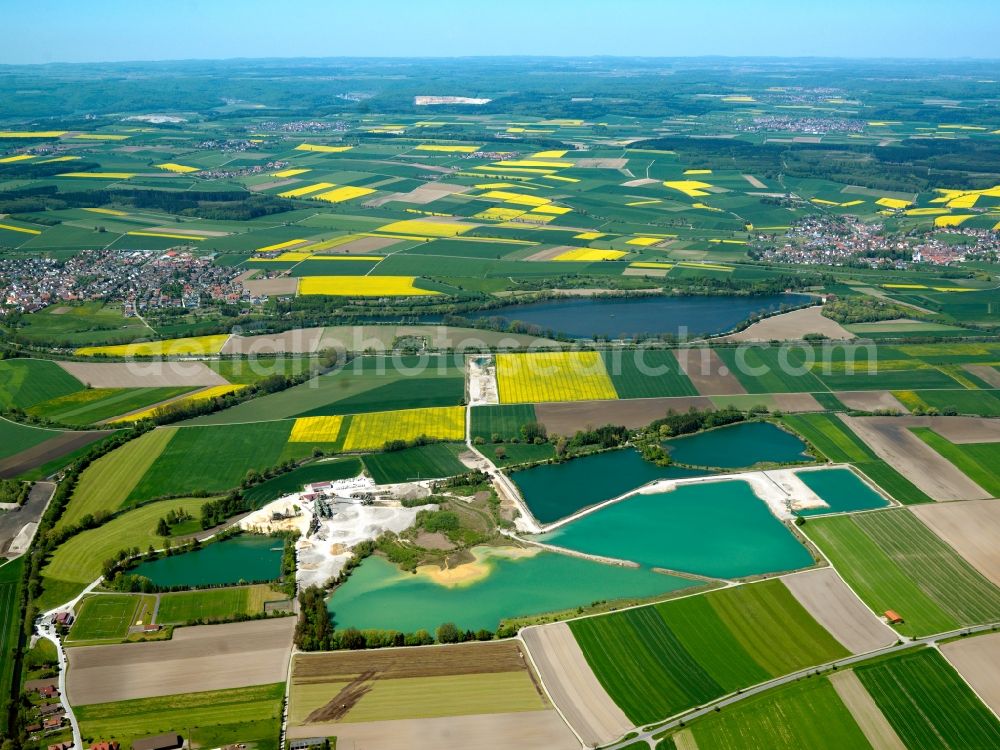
(49, 715)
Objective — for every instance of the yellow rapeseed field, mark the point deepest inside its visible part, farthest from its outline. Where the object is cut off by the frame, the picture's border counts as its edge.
(290, 172)
(306, 190)
(588, 236)
(516, 198)
(24, 230)
(697, 171)
(650, 264)
(101, 137)
(894, 203)
(279, 246)
(60, 158)
(16, 157)
(168, 235)
(322, 149)
(951, 221)
(590, 254)
(549, 155)
(372, 431)
(179, 168)
(498, 213)
(108, 211)
(169, 347)
(341, 194)
(203, 395)
(31, 133)
(644, 241)
(447, 149)
(553, 376)
(690, 188)
(316, 430)
(362, 286)
(426, 228)
(560, 178)
(550, 209)
(100, 175)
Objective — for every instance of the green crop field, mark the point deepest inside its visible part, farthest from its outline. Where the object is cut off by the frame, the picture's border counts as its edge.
(890, 480)
(974, 402)
(10, 623)
(892, 561)
(804, 714)
(424, 462)
(502, 420)
(659, 660)
(293, 481)
(779, 372)
(830, 436)
(885, 379)
(928, 703)
(105, 484)
(97, 404)
(15, 437)
(364, 384)
(209, 719)
(645, 373)
(105, 617)
(26, 382)
(78, 561)
(980, 462)
(215, 604)
(212, 459)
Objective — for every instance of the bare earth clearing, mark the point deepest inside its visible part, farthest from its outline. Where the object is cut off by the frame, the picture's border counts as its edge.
(272, 287)
(205, 657)
(572, 686)
(533, 730)
(870, 400)
(828, 599)
(568, 417)
(792, 326)
(708, 373)
(143, 374)
(362, 246)
(41, 454)
(893, 442)
(978, 661)
(972, 528)
(796, 402)
(870, 718)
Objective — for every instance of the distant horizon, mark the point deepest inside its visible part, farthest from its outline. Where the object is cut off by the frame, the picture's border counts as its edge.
(110, 31)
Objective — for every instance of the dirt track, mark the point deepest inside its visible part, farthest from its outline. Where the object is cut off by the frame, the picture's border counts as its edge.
(206, 657)
(978, 661)
(708, 373)
(828, 599)
(572, 685)
(295, 341)
(525, 730)
(863, 708)
(893, 442)
(972, 528)
(568, 417)
(870, 400)
(143, 374)
(50, 450)
(792, 326)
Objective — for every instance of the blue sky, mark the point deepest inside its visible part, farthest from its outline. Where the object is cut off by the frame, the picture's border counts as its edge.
(104, 30)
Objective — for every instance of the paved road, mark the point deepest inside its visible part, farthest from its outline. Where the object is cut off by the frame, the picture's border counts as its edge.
(646, 735)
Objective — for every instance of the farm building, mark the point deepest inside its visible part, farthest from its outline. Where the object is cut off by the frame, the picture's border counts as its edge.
(169, 741)
(105, 745)
(893, 617)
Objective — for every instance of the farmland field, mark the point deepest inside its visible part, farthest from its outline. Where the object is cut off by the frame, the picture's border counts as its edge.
(106, 483)
(892, 561)
(800, 715)
(215, 604)
(647, 374)
(15, 437)
(504, 421)
(10, 621)
(166, 348)
(423, 462)
(899, 487)
(979, 402)
(26, 382)
(780, 372)
(555, 376)
(658, 660)
(224, 456)
(830, 436)
(372, 430)
(980, 462)
(98, 404)
(213, 718)
(928, 703)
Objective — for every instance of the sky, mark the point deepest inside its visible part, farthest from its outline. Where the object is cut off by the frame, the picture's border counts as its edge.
(117, 30)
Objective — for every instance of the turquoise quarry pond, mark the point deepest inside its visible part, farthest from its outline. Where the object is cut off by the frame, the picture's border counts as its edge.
(841, 489)
(632, 316)
(379, 595)
(738, 445)
(554, 491)
(714, 528)
(242, 558)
